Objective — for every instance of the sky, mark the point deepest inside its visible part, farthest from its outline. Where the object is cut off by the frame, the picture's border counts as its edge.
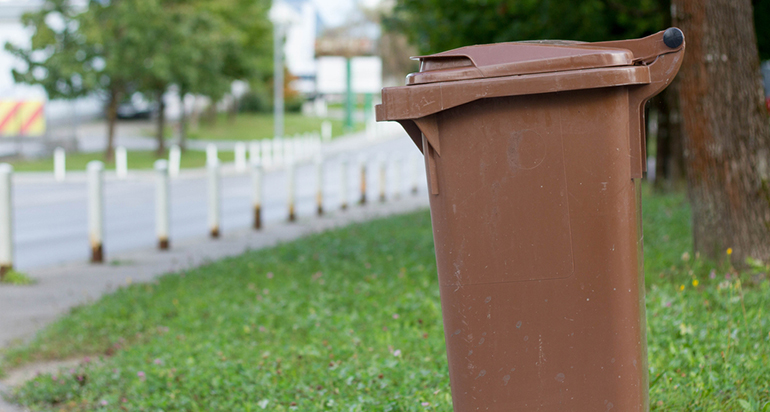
(334, 12)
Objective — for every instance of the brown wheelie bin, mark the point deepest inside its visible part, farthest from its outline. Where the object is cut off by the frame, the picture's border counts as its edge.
(534, 152)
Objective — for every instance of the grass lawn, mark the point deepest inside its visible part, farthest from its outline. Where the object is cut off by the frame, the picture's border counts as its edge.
(350, 320)
(136, 160)
(257, 126)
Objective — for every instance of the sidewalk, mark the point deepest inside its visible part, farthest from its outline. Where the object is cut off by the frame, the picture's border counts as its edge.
(26, 309)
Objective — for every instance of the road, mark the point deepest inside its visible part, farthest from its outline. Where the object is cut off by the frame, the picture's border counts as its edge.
(50, 222)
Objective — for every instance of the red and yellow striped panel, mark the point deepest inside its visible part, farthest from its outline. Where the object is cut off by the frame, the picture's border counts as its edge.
(22, 118)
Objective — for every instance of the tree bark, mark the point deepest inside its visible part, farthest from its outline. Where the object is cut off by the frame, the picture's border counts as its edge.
(727, 131)
(161, 130)
(669, 158)
(112, 118)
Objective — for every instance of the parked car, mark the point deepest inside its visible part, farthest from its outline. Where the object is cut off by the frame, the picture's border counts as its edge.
(136, 107)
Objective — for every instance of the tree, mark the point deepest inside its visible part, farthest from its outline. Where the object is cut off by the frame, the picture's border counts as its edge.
(435, 25)
(727, 131)
(112, 48)
(77, 51)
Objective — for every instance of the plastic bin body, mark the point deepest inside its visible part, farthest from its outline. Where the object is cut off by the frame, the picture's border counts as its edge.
(535, 206)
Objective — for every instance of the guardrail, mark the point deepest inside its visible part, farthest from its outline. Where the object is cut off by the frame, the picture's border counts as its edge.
(255, 160)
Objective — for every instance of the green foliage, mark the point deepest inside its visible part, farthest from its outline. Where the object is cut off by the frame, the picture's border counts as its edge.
(437, 25)
(123, 46)
(351, 320)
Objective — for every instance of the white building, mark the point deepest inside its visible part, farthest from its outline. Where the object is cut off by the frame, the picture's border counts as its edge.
(299, 48)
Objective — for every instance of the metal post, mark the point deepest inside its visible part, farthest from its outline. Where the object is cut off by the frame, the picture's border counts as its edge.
(383, 166)
(326, 130)
(95, 172)
(349, 102)
(213, 203)
(291, 183)
(174, 160)
(59, 164)
(362, 167)
(254, 152)
(121, 162)
(240, 157)
(212, 154)
(6, 219)
(319, 172)
(162, 205)
(344, 183)
(256, 193)
(267, 160)
(278, 78)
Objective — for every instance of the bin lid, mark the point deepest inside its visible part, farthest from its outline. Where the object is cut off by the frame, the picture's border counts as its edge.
(517, 58)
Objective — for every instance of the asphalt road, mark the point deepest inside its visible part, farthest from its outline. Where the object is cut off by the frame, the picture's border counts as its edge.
(50, 222)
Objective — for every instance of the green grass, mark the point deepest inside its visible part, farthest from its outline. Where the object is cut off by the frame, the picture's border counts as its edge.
(350, 320)
(14, 277)
(136, 160)
(257, 126)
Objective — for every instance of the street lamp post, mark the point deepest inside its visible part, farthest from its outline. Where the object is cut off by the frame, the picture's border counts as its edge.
(278, 104)
(281, 15)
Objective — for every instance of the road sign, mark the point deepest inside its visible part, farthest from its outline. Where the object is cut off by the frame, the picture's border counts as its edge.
(22, 118)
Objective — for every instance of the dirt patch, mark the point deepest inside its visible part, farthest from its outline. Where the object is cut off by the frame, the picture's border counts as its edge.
(20, 375)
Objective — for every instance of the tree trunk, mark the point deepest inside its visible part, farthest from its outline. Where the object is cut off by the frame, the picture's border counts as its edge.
(211, 113)
(160, 132)
(669, 159)
(182, 122)
(233, 112)
(727, 132)
(112, 118)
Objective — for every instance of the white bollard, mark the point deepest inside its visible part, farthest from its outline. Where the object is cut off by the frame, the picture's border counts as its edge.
(95, 170)
(212, 155)
(362, 168)
(256, 193)
(174, 161)
(240, 157)
(291, 186)
(344, 184)
(277, 152)
(383, 168)
(121, 162)
(6, 219)
(214, 198)
(254, 153)
(59, 164)
(267, 160)
(288, 149)
(371, 133)
(326, 131)
(319, 173)
(417, 164)
(398, 185)
(162, 205)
